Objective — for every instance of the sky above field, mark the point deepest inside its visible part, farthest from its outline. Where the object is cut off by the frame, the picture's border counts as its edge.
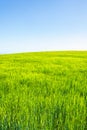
(42, 25)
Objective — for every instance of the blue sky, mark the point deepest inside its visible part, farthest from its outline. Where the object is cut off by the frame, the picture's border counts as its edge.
(42, 25)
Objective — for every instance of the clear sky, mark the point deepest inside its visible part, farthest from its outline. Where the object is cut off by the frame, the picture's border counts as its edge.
(42, 25)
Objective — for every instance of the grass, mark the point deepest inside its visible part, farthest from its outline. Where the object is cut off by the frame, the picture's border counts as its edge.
(43, 91)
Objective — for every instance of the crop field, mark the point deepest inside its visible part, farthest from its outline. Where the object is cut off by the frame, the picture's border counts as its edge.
(43, 91)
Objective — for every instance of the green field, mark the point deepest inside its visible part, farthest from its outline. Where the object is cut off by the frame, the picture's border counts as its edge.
(43, 91)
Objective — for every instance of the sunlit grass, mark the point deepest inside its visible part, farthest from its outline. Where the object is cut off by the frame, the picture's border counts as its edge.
(43, 91)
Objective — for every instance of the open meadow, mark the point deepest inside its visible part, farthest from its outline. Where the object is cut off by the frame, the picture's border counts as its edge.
(43, 91)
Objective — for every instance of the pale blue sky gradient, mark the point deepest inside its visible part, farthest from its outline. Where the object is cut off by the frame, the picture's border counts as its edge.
(42, 25)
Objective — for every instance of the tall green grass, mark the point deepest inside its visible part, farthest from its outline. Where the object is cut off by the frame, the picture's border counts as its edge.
(43, 91)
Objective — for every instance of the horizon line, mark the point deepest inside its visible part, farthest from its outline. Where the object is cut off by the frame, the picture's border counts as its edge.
(43, 51)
